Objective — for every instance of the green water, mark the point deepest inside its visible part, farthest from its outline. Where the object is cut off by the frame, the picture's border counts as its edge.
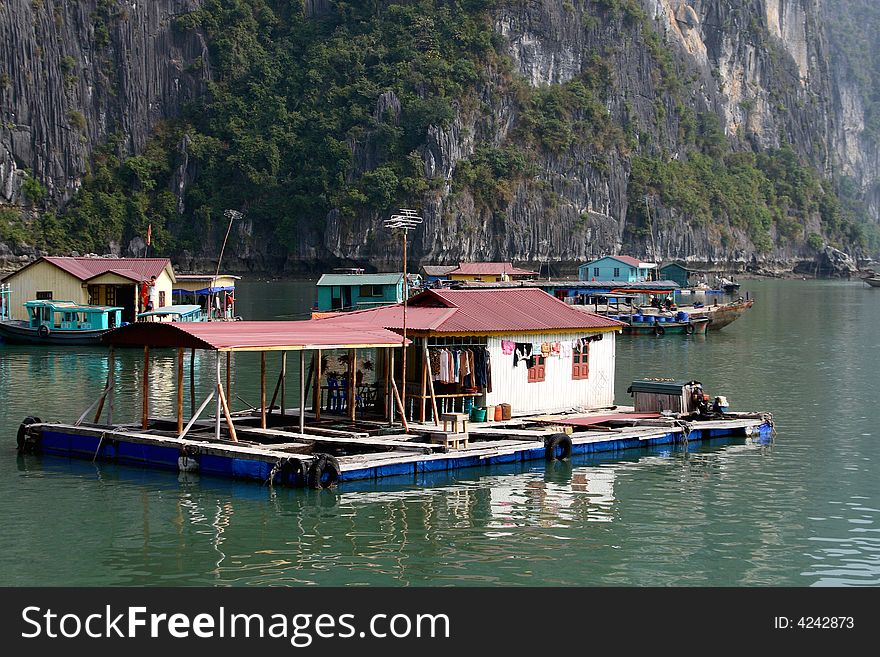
(804, 510)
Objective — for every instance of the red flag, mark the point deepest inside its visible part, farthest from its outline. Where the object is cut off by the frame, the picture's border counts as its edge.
(149, 233)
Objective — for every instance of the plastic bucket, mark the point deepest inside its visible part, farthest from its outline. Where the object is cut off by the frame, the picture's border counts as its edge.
(478, 414)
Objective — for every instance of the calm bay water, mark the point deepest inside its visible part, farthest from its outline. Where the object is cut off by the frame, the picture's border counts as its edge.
(803, 510)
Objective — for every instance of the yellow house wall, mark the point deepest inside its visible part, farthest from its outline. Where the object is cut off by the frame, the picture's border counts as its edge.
(41, 277)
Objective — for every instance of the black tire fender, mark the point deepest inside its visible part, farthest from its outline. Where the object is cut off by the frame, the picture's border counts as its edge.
(689, 329)
(659, 330)
(43, 331)
(558, 442)
(324, 471)
(291, 471)
(21, 437)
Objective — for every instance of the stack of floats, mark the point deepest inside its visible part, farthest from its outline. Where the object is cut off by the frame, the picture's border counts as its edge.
(279, 448)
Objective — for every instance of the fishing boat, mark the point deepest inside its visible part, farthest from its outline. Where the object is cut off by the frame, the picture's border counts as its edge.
(61, 323)
(659, 325)
(873, 281)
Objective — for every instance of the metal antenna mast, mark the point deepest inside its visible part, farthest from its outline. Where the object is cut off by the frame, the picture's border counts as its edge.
(405, 221)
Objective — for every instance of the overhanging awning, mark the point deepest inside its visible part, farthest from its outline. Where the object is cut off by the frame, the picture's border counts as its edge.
(251, 336)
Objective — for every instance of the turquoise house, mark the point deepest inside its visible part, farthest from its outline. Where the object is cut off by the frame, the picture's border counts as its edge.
(675, 271)
(358, 291)
(616, 268)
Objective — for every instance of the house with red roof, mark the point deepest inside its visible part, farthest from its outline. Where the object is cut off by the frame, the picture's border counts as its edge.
(518, 346)
(90, 280)
(617, 268)
(488, 271)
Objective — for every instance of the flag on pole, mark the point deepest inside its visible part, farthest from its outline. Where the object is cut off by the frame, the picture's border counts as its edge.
(149, 233)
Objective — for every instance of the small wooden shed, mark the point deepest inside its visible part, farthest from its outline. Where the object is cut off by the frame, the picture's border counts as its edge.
(651, 396)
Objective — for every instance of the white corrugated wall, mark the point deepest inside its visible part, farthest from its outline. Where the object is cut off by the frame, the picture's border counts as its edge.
(558, 392)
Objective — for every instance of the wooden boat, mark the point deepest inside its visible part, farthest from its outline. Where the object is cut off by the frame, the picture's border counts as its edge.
(661, 325)
(721, 315)
(176, 313)
(873, 282)
(61, 323)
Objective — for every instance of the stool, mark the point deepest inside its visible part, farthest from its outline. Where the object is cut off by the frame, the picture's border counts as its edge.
(454, 419)
(450, 440)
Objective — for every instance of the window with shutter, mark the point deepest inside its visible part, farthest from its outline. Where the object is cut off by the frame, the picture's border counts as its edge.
(580, 367)
(536, 370)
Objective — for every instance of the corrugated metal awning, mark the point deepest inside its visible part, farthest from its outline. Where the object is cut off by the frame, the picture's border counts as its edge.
(251, 336)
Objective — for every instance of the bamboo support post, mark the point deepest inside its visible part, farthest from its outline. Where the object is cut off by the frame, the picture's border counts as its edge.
(387, 397)
(389, 381)
(196, 415)
(226, 414)
(275, 392)
(179, 391)
(352, 388)
(219, 405)
(283, 382)
(107, 386)
(431, 385)
(146, 389)
(424, 382)
(228, 389)
(263, 389)
(400, 406)
(316, 399)
(192, 382)
(302, 391)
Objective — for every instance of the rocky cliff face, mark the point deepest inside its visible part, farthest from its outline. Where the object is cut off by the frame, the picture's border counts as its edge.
(77, 73)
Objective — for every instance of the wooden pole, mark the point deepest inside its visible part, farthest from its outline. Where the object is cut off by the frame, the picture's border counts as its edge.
(179, 391)
(196, 415)
(283, 381)
(302, 391)
(387, 396)
(352, 366)
(219, 404)
(146, 389)
(400, 406)
(424, 382)
(228, 389)
(107, 386)
(226, 413)
(316, 403)
(431, 385)
(403, 348)
(192, 382)
(263, 389)
(275, 392)
(112, 362)
(390, 383)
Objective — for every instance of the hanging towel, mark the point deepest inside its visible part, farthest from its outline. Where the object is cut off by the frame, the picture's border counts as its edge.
(554, 349)
(565, 348)
(523, 350)
(545, 349)
(507, 347)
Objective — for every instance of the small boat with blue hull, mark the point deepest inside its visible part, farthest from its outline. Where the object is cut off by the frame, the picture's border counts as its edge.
(176, 313)
(659, 325)
(61, 323)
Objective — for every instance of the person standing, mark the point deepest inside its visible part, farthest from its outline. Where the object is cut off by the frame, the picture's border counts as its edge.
(153, 302)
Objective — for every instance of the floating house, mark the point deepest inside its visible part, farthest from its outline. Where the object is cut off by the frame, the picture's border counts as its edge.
(515, 346)
(88, 281)
(616, 268)
(675, 271)
(216, 293)
(338, 291)
(434, 273)
(488, 271)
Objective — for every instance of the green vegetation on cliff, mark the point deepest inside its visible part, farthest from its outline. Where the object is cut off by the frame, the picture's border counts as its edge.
(305, 115)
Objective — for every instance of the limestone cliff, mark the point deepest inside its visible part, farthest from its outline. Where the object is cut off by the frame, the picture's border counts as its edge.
(77, 75)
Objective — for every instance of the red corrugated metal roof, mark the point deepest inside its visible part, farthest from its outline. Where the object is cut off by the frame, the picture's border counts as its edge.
(511, 310)
(635, 262)
(488, 269)
(251, 336)
(86, 268)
